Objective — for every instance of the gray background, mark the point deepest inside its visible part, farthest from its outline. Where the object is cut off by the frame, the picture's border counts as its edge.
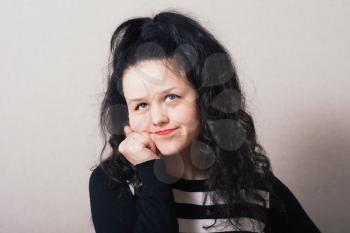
(292, 57)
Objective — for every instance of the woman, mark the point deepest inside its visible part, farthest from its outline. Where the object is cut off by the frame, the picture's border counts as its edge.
(184, 157)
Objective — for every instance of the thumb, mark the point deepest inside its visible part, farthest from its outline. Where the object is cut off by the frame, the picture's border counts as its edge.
(127, 130)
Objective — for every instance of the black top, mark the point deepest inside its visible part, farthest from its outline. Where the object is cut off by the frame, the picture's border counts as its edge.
(164, 208)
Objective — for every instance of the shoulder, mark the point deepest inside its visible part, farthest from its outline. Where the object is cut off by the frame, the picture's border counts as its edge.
(97, 178)
(112, 210)
(281, 192)
(279, 188)
(100, 184)
(286, 210)
(97, 174)
(281, 195)
(97, 183)
(104, 193)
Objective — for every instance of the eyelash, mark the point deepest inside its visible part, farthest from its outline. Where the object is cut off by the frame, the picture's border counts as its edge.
(136, 108)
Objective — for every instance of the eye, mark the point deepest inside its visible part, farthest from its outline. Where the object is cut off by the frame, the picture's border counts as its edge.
(137, 106)
(173, 96)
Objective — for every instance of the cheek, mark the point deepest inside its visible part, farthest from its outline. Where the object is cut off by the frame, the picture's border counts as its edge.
(138, 122)
(189, 116)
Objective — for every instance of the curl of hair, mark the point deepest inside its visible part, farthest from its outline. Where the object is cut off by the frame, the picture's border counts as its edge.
(236, 173)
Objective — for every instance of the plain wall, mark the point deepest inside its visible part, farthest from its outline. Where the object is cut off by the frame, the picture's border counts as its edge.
(293, 58)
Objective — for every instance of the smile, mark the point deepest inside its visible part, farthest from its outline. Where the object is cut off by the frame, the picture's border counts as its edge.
(165, 132)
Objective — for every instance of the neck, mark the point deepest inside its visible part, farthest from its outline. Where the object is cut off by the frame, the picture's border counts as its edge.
(181, 166)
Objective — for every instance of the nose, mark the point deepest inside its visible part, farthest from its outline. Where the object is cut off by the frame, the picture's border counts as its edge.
(159, 115)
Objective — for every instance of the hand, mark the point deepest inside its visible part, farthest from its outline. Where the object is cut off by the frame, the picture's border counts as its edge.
(138, 147)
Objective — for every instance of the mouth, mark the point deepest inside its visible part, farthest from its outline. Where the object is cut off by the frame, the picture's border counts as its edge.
(165, 132)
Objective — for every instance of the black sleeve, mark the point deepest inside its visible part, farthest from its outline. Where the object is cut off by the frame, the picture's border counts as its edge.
(152, 210)
(286, 213)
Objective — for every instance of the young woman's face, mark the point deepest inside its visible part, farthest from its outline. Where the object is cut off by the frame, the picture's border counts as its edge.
(159, 99)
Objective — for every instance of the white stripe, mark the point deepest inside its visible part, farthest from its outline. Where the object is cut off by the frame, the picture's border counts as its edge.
(197, 198)
(132, 189)
(195, 225)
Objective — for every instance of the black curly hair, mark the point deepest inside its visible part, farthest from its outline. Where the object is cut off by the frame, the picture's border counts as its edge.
(240, 162)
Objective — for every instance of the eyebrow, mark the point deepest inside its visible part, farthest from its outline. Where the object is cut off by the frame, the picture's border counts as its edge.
(142, 98)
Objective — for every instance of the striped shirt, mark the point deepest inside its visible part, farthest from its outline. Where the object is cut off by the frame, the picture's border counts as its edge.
(180, 207)
(194, 212)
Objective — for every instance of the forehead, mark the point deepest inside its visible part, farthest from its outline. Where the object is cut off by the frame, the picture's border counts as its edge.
(152, 77)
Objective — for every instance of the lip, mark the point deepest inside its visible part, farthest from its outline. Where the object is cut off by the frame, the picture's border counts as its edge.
(165, 132)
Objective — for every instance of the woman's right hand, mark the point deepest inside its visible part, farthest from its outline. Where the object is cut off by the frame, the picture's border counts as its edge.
(137, 147)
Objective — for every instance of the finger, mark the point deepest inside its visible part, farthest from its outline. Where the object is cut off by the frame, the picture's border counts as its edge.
(149, 143)
(121, 147)
(152, 147)
(127, 130)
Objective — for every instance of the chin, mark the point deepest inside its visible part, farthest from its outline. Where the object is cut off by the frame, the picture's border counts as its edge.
(173, 148)
(169, 149)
